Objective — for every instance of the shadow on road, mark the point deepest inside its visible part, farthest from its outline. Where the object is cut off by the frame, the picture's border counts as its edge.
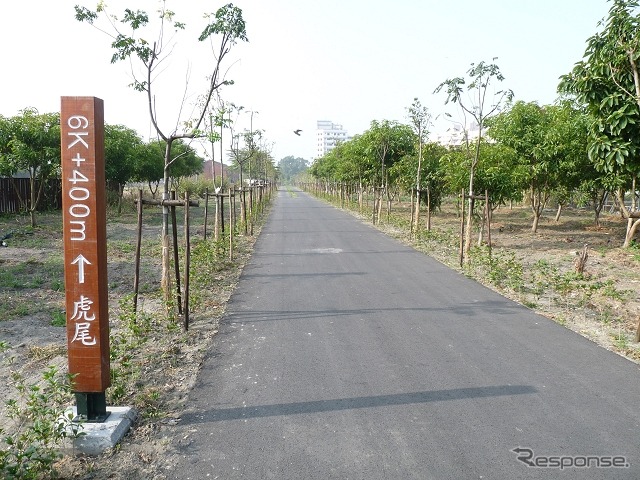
(319, 406)
(471, 310)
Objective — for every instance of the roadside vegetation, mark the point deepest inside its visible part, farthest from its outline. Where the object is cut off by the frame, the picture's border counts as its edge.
(154, 361)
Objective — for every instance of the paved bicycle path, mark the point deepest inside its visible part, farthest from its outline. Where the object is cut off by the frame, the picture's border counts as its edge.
(347, 355)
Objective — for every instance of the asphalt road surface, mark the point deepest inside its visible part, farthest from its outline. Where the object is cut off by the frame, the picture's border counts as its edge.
(347, 355)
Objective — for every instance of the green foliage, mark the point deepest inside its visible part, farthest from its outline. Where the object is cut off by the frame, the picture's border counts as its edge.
(368, 158)
(30, 142)
(290, 167)
(501, 270)
(209, 259)
(385, 143)
(550, 146)
(59, 319)
(32, 274)
(498, 172)
(40, 423)
(228, 22)
(635, 250)
(121, 149)
(149, 167)
(432, 174)
(605, 81)
(195, 187)
(123, 342)
(226, 25)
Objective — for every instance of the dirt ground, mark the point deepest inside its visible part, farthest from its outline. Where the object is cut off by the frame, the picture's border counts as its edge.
(603, 305)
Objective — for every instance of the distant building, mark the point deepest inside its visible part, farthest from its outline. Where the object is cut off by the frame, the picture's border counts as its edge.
(230, 174)
(455, 136)
(207, 170)
(328, 135)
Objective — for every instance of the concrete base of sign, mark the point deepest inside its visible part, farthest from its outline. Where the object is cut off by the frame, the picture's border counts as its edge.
(98, 437)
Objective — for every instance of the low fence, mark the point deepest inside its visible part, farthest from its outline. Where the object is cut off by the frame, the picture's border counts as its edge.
(10, 199)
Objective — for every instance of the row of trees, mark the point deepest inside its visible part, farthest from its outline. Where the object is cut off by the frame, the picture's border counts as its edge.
(533, 150)
(584, 147)
(30, 144)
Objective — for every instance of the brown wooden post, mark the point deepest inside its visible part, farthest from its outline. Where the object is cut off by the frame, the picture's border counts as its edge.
(187, 261)
(251, 208)
(489, 213)
(176, 258)
(85, 252)
(216, 223)
(136, 275)
(462, 199)
(222, 210)
(206, 209)
(231, 223)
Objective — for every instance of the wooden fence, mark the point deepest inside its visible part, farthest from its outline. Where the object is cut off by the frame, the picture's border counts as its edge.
(10, 200)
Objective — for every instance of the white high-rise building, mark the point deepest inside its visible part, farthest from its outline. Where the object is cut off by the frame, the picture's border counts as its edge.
(328, 135)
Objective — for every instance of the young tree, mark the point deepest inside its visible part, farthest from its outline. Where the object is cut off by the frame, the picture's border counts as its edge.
(243, 149)
(499, 173)
(226, 25)
(480, 103)
(31, 143)
(432, 186)
(420, 120)
(607, 81)
(386, 143)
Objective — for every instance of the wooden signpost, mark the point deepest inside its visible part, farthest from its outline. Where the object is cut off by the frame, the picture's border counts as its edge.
(85, 252)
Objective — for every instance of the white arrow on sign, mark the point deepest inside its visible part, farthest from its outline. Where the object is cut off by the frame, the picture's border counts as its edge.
(80, 260)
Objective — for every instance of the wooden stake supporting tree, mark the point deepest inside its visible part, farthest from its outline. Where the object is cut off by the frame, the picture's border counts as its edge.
(187, 262)
(182, 298)
(479, 105)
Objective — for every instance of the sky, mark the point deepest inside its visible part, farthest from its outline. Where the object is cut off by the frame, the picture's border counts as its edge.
(348, 61)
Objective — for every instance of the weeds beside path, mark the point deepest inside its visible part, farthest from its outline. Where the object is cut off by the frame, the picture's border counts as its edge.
(154, 362)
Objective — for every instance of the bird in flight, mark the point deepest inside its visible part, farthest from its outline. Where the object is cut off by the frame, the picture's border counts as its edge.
(297, 132)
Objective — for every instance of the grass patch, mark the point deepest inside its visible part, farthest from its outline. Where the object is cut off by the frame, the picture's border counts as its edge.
(58, 319)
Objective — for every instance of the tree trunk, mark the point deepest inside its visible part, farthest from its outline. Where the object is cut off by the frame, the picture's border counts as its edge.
(216, 220)
(32, 202)
(632, 228)
(428, 208)
(166, 259)
(468, 232)
(537, 206)
(558, 212)
(462, 234)
(633, 222)
(598, 200)
(120, 195)
(412, 228)
(469, 227)
(417, 210)
(536, 219)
